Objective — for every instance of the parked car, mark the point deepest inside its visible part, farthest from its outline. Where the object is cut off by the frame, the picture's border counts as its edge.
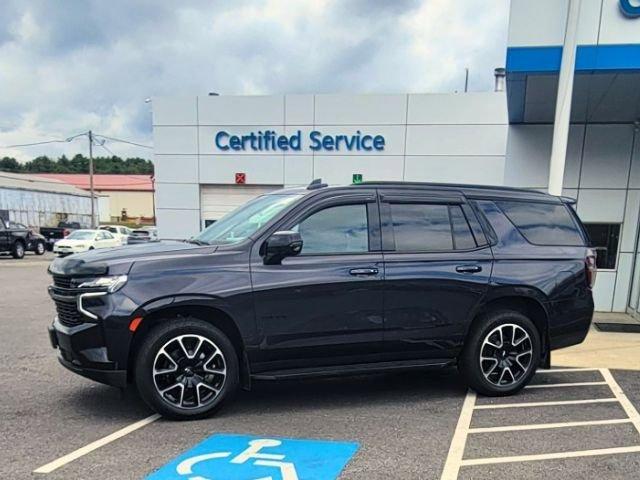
(13, 240)
(331, 281)
(35, 242)
(143, 235)
(85, 240)
(118, 231)
(53, 234)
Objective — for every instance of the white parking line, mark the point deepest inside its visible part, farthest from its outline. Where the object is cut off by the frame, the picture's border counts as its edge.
(543, 426)
(560, 385)
(544, 404)
(550, 456)
(70, 457)
(628, 407)
(565, 370)
(459, 440)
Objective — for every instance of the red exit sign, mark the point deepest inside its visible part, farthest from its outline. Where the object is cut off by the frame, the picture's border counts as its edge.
(241, 178)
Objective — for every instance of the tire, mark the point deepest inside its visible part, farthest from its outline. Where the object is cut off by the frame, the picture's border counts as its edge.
(491, 376)
(189, 401)
(17, 251)
(40, 248)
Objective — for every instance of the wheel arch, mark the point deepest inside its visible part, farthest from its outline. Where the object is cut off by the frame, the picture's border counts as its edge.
(208, 313)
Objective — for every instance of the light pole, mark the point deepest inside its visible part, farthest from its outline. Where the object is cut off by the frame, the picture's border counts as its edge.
(93, 209)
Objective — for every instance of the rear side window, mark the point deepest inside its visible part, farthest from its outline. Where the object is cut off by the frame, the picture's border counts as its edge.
(422, 227)
(543, 223)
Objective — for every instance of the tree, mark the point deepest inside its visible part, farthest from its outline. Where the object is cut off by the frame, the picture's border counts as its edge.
(79, 164)
(9, 164)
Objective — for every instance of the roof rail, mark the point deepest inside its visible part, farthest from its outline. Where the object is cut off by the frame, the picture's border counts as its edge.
(316, 184)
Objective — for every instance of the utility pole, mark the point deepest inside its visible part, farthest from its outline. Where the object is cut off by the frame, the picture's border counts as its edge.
(466, 80)
(93, 208)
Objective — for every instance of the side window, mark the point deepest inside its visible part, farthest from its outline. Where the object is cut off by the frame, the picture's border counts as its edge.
(421, 227)
(462, 237)
(543, 223)
(339, 229)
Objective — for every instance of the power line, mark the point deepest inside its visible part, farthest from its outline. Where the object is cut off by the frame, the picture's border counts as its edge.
(113, 139)
(69, 139)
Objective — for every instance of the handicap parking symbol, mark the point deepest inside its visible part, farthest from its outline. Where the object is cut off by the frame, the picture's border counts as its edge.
(243, 457)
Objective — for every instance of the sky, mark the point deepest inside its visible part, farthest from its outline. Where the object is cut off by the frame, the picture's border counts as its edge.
(70, 65)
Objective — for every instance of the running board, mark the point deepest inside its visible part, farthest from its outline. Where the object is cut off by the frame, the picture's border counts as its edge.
(354, 369)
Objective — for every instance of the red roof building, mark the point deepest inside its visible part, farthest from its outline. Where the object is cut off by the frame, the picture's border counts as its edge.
(105, 182)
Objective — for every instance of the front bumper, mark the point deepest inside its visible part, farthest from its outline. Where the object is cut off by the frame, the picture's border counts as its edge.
(82, 350)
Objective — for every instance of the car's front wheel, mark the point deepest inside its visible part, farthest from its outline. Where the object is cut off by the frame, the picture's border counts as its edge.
(501, 353)
(186, 368)
(17, 251)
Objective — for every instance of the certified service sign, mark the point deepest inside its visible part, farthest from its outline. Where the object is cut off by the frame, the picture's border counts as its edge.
(272, 141)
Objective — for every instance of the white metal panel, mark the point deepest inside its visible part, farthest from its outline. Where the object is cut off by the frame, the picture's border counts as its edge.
(176, 168)
(615, 27)
(175, 140)
(218, 200)
(360, 109)
(629, 229)
(623, 281)
(458, 108)
(601, 206)
(480, 170)
(174, 111)
(241, 110)
(259, 169)
(607, 152)
(603, 291)
(177, 223)
(177, 195)
(458, 140)
(337, 170)
(299, 109)
(298, 169)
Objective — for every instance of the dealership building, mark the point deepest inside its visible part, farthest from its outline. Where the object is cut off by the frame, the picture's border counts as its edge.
(213, 153)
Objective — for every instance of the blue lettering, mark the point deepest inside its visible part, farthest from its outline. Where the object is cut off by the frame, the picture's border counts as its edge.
(629, 10)
(328, 142)
(316, 143)
(366, 139)
(235, 143)
(378, 142)
(295, 141)
(219, 137)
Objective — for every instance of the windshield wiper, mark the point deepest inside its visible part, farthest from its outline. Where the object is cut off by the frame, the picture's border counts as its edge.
(195, 241)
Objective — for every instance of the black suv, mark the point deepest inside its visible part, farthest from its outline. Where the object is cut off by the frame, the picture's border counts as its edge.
(329, 281)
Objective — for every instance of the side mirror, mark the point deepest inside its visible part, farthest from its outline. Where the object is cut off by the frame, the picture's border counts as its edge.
(282, 244)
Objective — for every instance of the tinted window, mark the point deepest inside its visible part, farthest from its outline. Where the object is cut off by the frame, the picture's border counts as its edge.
(462, 238)
(476, 229)
(339, 229)
(604, 239)
(543, 223)
(421, 227)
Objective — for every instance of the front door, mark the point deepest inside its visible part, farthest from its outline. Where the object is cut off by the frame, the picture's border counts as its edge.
(437, 269)
(324, 306)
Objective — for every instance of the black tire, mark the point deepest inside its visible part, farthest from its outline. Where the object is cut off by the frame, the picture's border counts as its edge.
(146, 357)
(17, 251)
(40, 248)
(471, 367)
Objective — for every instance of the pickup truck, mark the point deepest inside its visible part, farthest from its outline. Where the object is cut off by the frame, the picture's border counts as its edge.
(53, 234)
(13, 240)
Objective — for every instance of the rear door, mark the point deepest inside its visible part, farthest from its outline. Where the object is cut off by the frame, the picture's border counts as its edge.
(4, 237)
(437, 269)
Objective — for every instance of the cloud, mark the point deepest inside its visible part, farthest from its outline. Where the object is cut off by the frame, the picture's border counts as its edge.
(69, 66)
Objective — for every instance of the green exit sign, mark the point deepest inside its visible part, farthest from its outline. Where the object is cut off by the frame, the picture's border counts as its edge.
(356, 178)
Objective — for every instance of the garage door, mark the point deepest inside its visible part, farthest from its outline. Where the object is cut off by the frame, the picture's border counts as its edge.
(217, 200)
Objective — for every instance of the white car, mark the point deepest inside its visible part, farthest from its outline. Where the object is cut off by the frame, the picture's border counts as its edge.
(83, 240)
(118, 231)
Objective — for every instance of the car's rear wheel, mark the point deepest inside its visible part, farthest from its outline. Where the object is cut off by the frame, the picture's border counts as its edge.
(17, 251)
(40, 248)
(186, 368)
(501, 353)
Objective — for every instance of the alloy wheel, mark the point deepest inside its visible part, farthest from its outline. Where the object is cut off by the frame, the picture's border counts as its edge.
(506, 355)
(40, 248)
(189, 371)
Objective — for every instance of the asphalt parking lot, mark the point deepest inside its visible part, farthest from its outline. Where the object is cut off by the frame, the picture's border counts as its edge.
(407, 426)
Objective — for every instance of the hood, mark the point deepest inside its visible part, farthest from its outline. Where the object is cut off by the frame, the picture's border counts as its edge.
(70, 242)
(118, 261)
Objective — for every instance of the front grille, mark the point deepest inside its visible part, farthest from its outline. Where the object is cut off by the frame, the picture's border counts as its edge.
(61, 281)
(68, 313)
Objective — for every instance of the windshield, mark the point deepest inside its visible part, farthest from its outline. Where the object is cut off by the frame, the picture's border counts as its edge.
(245, 220)
(81, 235)
(110, 229)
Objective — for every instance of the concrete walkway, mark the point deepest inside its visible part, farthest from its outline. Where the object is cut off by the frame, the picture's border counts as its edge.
(603, 349)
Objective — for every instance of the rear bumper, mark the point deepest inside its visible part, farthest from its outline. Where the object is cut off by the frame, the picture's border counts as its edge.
(81, 349)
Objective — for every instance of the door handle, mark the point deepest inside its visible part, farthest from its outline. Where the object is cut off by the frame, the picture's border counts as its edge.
(468, 268)
(363, 271)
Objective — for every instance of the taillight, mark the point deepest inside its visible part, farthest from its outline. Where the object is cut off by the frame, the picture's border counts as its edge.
(66, 232)
(590, 267)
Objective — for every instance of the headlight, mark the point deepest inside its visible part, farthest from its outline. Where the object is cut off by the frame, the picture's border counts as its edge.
(112, 284)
